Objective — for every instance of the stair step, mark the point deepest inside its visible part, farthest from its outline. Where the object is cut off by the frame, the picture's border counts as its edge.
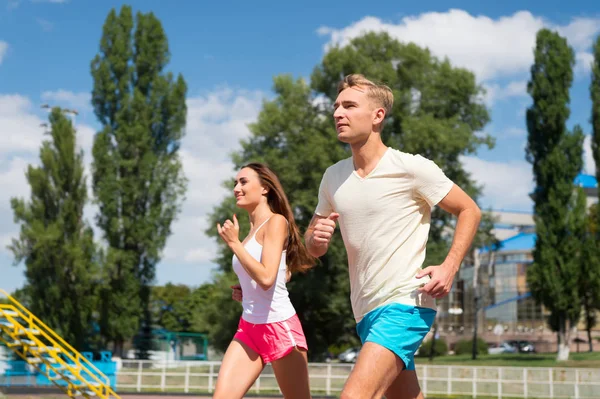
(27, 342)
(90, 393)
(29, 330)
(14, 343)
(65, 369)
(6, 323)
(40, 359)
(9, 312)
(50, 349)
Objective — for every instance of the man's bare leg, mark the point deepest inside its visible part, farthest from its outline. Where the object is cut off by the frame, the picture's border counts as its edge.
(375, 371)
(405, 386)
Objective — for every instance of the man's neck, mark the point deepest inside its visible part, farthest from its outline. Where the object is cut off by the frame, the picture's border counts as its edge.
(366, 155)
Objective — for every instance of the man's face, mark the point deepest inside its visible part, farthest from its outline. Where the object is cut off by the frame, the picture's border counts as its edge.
(354, 115)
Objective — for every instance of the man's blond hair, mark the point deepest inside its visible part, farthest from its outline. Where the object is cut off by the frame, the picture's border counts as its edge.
(380, 94)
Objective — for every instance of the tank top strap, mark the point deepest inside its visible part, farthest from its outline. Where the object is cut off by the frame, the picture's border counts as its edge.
(261, 225)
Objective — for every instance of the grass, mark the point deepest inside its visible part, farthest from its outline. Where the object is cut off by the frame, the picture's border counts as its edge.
(582, 360)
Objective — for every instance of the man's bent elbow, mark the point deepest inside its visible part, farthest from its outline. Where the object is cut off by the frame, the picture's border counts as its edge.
(477, 213)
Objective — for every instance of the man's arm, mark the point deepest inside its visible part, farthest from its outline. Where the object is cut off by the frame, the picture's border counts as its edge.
(319, 233)
(468, 214)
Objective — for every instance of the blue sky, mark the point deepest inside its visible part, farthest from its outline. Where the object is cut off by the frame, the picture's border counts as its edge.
(228, 53)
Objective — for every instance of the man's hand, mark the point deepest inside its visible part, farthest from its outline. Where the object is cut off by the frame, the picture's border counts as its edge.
(323, 230)
(441, 280)
(236, 293)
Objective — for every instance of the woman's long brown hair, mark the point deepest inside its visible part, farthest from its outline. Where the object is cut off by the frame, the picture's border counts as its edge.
(298, 258)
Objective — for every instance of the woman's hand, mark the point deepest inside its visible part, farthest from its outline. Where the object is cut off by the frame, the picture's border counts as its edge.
(236, 293)
(230, 231)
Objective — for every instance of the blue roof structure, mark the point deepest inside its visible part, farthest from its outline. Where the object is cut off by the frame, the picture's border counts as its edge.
(581, 180)
(519, 242)
(586, 181)
(526, 241)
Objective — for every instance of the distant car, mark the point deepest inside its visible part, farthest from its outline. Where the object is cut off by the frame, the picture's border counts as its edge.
(504, 347)
(349, 355)
(523, 346)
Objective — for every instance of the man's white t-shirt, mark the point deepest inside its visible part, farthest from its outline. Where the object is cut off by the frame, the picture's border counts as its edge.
(384, 221)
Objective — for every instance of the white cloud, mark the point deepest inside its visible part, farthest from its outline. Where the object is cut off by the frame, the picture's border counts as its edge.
(583, 64)
(13, 181)
(509, 185)
(491, 48)
(588, 156)
(496, 92)
(46, 25)
(3, 50)
(79, 101)
(21, 131)
(513, 132)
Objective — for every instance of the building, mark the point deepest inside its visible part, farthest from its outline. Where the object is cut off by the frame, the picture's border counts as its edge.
(507, 309)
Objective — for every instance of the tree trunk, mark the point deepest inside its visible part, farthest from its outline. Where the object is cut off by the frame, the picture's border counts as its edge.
(563, 352)
(564, 346)
(119, 349)
(589, 335)
(475, 321)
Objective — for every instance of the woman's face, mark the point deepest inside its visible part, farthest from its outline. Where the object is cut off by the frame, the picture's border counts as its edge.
(248, 190)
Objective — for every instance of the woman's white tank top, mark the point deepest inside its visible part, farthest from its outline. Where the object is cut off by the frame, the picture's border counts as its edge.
(260, 306)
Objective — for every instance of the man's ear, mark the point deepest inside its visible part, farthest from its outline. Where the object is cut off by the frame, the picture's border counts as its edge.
(378, 116)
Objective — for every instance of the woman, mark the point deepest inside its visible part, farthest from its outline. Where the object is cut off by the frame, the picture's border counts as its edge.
(269, 330)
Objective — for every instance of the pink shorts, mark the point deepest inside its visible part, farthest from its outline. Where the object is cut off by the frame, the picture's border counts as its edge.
(272, 341)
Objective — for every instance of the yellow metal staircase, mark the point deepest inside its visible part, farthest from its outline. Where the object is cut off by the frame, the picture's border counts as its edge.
(42, 348)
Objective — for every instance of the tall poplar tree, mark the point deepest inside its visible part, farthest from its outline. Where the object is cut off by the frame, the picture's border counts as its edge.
(138, 180)
(556, 157)
(55, 243)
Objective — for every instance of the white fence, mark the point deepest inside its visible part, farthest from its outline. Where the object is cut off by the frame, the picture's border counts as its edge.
(329, 378)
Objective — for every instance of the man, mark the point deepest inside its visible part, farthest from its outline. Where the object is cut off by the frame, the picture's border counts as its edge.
(382, 199)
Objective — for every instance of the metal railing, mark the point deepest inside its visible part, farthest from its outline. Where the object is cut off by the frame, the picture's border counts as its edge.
(329, 378)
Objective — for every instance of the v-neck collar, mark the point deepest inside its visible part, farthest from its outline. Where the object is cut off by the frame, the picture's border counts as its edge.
(355, 173)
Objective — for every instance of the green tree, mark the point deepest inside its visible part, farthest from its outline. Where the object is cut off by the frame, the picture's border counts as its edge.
(556, 157)
(55, 243)
(590, 268)
(436, 114)
(181, 308)
(595, 95)
(171, 308)
(592, 300)
(137, 174)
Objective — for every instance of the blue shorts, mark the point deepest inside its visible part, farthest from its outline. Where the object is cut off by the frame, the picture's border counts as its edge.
(397, 327)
